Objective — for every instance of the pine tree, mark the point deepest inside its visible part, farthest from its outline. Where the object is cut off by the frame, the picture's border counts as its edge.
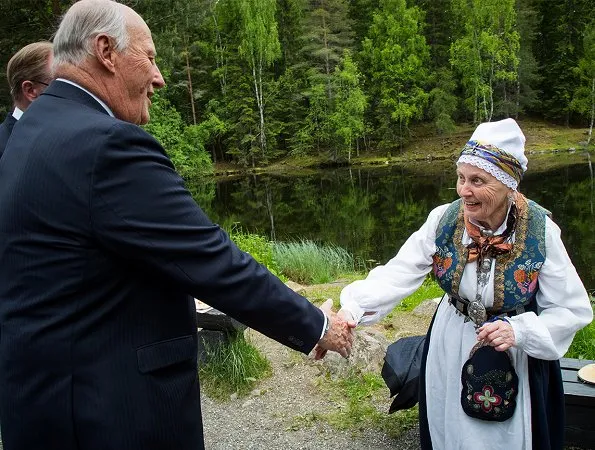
(396, 58)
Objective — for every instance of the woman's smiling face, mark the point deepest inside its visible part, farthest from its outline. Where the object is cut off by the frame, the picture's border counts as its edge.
(485, 198)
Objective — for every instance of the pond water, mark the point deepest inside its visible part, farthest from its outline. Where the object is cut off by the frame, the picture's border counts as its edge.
(371, 212)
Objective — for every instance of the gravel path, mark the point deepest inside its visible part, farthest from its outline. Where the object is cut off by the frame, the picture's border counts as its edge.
(275, 417)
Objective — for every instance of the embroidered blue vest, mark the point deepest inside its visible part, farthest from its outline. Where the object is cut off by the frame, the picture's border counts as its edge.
(516, 272)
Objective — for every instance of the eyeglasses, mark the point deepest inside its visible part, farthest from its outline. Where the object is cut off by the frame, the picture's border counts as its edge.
(40, 82)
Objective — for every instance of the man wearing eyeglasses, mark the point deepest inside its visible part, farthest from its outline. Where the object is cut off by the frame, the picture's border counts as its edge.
(28, 73)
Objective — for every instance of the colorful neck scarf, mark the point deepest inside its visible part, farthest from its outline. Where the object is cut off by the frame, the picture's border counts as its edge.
(491, 246)
(501, 159)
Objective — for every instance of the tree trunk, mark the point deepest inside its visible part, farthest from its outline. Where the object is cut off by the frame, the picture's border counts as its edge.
(327, 64)
(518, 96)
(270, 211)
(491, 92)
(56, 10)
(190, 87)
(592, 111)
(219, 56)
(257, 75)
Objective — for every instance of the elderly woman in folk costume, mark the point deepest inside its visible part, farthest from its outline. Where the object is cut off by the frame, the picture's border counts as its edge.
(510, 287)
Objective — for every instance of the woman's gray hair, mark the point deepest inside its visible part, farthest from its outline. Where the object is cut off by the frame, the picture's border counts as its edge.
(85, 20)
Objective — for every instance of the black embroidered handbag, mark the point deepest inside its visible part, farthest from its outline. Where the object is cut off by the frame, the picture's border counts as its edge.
(490, 384)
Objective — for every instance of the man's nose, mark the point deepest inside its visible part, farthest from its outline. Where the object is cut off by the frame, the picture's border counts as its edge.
(158, 80)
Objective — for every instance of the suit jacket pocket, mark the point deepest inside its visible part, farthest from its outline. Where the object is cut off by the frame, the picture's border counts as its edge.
(166, 353)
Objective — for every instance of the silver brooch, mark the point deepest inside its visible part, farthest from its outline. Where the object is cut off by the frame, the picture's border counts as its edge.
(477, 312)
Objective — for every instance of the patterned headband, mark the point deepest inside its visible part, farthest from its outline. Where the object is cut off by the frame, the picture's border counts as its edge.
(501, 159)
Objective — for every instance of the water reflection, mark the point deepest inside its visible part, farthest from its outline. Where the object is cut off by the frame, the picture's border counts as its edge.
(371, 212)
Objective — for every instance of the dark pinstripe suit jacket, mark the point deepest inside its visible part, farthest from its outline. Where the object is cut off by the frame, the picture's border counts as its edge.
(5, 131)
(100, 245)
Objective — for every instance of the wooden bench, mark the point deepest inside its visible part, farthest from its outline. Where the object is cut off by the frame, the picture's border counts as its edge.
(214, 329)
(579, 399)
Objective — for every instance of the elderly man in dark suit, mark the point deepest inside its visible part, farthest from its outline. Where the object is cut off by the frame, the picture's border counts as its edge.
(102, 250)
(28, 73)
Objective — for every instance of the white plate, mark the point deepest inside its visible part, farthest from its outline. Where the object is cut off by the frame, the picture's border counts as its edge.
(587, 374)
(201, 307)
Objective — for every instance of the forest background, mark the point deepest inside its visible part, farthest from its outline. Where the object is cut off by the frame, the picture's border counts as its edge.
(253, 81)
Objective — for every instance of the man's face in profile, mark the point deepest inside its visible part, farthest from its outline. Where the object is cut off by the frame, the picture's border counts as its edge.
(138, 75)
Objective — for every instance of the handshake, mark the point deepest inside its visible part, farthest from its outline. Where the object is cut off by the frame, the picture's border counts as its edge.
(339, 335)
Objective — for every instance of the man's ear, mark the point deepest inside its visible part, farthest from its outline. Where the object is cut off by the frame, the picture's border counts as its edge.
(105, 52)
(30, 91)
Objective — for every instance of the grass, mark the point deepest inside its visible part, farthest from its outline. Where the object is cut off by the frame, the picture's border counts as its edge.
(309, 263)
(429, 289)
(233, 368)
(356, 395)
(583, 345)
(425, 143)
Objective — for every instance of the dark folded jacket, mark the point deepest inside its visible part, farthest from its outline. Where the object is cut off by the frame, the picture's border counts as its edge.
(401, 369)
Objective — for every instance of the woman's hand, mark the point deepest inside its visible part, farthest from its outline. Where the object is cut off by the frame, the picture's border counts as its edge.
(342, 315)
(498, 334)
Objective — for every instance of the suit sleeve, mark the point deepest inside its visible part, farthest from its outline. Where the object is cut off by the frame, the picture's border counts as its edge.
(141, 211)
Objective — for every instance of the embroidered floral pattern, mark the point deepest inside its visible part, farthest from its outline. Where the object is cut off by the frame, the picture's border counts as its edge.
(515, 273)
(487, 399)
(526, 276)
(442, 262)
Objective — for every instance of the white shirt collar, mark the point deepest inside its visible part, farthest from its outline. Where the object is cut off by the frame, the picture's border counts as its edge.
(109, 111)
(17, 113)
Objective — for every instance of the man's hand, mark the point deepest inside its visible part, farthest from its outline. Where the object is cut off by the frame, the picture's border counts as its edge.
(498, 334)
(339, 337)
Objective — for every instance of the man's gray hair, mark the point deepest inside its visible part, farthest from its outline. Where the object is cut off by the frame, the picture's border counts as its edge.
(85, 20)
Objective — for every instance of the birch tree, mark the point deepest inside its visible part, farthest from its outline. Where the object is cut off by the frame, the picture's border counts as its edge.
(259, 47)
(486, 56)
(350, 103)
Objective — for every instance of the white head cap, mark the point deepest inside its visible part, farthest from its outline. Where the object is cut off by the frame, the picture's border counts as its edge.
(498, 138)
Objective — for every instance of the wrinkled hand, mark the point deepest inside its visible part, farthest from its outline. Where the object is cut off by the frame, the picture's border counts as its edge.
(498, 334)
(339, 337)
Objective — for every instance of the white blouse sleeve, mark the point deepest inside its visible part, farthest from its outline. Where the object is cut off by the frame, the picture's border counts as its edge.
(562, 301)
(385, 286)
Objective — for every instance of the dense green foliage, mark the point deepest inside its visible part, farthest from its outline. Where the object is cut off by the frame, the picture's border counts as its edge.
(259, 247)
(253, 80)
(185, 144)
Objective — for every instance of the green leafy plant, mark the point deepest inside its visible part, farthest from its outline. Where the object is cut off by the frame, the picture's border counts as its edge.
(259, 247)
(185, 145)
(234, 367)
